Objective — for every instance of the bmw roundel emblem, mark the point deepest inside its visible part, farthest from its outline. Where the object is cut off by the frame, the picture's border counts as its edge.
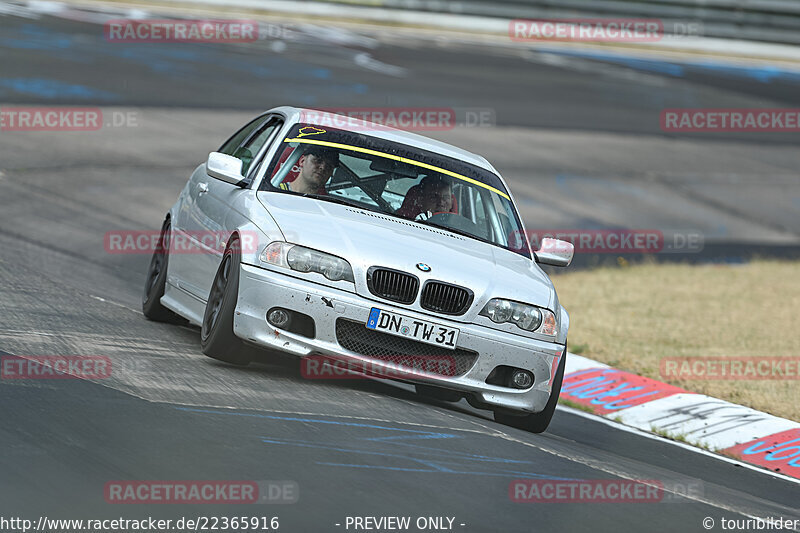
(423, 267)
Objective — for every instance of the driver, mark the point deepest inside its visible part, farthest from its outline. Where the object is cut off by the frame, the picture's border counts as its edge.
(434, 194)
(316, 167)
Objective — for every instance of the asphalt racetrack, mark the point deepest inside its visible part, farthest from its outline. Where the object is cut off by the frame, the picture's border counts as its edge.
(578, 140)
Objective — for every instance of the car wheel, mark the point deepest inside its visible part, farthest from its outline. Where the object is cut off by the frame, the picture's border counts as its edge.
(536, 422)
(156, 281)
(216, 337)
(438, 393)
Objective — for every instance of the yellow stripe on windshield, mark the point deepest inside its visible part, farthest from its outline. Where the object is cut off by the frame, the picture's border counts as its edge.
(402, 160)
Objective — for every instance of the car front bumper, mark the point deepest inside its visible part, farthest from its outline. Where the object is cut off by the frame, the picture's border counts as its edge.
(260, 290)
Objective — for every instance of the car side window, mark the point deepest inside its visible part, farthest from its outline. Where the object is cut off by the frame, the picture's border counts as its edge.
(237, 138)
(246, 143)
(252, 145)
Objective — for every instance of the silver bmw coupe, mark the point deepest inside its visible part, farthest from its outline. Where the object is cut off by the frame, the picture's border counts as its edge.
(354, 245)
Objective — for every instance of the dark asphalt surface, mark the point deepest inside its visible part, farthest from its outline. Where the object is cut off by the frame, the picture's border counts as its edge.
(66, 439)
(354, 448)
(597, 159)
(69, 62)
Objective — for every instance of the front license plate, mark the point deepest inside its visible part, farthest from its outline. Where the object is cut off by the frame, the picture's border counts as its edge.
(411, 328)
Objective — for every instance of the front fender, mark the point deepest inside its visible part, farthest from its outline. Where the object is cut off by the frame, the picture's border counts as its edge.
(564, 329)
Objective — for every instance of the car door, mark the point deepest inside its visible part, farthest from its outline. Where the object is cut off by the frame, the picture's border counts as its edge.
(216, 200)
(187, 225)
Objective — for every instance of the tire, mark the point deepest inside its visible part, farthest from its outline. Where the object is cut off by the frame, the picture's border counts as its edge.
(156, 281)
(537, 422)
(216, 336)
(438, 393)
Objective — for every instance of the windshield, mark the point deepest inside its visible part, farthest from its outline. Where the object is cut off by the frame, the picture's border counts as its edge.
(397, 180)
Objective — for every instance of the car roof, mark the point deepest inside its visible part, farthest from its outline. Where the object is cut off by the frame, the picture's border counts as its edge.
(294, 114)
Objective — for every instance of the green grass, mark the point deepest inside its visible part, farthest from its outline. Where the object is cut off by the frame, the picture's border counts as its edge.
(633, 317)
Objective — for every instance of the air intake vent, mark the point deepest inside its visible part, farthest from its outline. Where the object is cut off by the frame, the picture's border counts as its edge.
(392, 285)
(444, 298)
(403, 353)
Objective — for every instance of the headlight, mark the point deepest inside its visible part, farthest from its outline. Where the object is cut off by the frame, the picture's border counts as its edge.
(524, 316)
(303, 259)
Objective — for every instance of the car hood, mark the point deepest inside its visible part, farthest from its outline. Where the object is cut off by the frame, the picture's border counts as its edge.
(367, 238)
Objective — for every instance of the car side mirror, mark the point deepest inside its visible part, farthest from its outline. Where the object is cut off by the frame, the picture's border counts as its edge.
(555, 252)
(224, 167)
